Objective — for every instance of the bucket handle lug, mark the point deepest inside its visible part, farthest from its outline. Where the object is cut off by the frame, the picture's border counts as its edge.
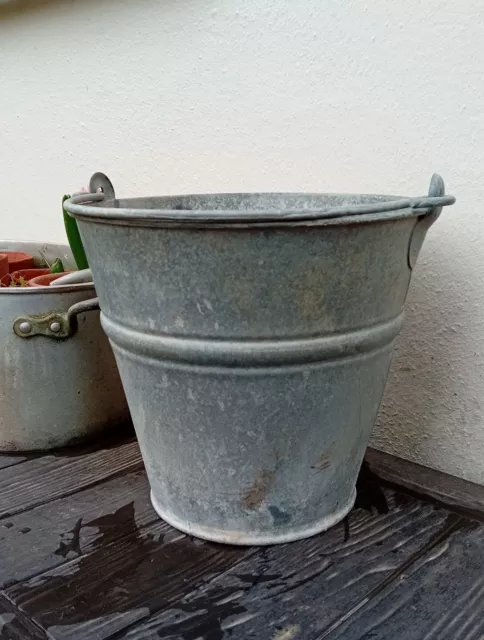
(436, 190)
(100, 182)
(101, 189)
(55, 324)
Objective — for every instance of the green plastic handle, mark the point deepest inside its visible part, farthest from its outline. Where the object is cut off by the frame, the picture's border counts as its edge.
(74, 238)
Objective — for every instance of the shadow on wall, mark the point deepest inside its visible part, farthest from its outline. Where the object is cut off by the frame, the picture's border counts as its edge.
(429, 413)
(14, 8)
(19, 9)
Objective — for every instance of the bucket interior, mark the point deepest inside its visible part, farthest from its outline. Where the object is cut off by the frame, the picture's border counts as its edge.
(241, 202)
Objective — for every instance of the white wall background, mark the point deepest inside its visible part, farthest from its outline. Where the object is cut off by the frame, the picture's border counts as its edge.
(172, 96)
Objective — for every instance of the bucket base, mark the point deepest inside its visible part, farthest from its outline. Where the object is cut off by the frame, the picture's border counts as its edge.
(241, 538)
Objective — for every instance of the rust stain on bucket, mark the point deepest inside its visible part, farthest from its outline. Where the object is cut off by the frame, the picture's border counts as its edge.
(323, 462)
(254, 496)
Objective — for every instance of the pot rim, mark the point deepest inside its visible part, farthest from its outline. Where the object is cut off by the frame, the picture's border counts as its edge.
(86, 286)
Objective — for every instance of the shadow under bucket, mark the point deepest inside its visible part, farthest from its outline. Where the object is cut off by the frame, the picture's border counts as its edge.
(253, 334)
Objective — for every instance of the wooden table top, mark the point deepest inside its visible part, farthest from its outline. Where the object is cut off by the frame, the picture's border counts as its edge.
(84, 556)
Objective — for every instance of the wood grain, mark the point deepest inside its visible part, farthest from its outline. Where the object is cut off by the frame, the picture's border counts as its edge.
(83, 556)
(7, 460)
(440, 596)
(41, 479)
(455, 493)
(54, 533)
(15, 626)
(297, 590)
(122, 580)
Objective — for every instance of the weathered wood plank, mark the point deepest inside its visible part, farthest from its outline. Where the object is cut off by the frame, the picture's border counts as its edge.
(440, 596)
(122, 580)
(41, 479)
(14, 626)
(47, 536)
(7, 460)
(98, 564)
(298, 589)
(453, 492)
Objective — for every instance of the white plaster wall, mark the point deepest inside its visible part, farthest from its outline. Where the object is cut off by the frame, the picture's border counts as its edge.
(174, 96)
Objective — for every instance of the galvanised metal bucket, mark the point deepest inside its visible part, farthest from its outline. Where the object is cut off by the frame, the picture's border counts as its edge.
(253, 334)
(59, 383)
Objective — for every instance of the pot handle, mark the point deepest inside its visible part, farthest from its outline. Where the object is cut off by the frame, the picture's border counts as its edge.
(56, 325)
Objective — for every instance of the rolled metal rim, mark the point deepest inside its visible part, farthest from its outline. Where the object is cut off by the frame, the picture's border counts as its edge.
(25, 291)
(101, 206)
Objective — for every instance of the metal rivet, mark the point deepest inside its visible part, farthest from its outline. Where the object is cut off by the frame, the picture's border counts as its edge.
(25, 327)
(55, 327)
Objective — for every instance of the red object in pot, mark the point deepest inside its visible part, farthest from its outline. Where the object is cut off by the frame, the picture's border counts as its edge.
(26, 274)
(3, 264)
(45, 280)
(19, 260)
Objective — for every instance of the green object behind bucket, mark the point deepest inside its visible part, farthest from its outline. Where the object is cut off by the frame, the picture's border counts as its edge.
(57, 267)
(74, 238)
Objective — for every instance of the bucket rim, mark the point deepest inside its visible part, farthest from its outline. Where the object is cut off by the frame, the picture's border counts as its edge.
(384, 207)
(102, 206)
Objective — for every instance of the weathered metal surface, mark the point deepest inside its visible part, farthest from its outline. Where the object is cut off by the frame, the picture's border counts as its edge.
(253, 333)
(54, 391)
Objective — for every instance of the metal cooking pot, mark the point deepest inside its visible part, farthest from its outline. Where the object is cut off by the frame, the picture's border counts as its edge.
(59, 383)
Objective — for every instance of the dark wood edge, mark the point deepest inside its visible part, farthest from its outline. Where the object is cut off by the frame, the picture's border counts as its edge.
(452, 492)
(20, 627)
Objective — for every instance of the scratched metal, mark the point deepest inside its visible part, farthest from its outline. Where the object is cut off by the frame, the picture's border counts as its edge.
(253, 334)
(54, 393)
